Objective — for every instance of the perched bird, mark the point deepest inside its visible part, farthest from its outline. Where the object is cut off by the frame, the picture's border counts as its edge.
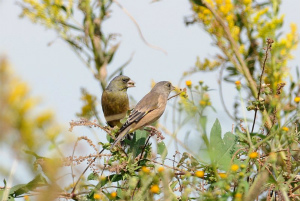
(148, 110)
(115, 103)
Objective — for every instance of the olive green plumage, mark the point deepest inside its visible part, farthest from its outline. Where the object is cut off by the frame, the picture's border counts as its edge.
(148, 110)
(115, 103)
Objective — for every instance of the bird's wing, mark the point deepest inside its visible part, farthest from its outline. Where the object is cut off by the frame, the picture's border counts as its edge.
(146, 105)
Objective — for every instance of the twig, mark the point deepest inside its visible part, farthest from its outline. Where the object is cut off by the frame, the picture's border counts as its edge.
(74, 188)
(269, 192)
(295, 189)
(242, 67)
(139, 29)
(72, 157)
(175, 168)
(269, 46)
(180, 186)
(235, 153)
(144, 149)
(182, 91)
(85, 122)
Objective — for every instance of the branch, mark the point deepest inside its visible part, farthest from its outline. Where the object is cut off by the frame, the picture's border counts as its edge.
(181, 91)
(269, 46)
(85, 122)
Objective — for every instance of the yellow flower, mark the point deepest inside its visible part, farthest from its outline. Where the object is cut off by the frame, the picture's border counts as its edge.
(285, 128)
(293, 27)
(45, 116)
(199, 174)
(26, 198)
(246, 2)
(18, 92)
(253, 155)
(145, 169)
(188, 83)
(243, 166)
(97, 196)
(238, 84)
(238, 195)
(160, 169)
(234, 167)
(113, 194)
(223, 175)
(154, 189)
(219, 1)
(202, 102)
(242, 49)
(297, 99)
(283, 52)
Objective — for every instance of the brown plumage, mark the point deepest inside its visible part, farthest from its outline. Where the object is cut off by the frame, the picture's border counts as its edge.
(148, 110)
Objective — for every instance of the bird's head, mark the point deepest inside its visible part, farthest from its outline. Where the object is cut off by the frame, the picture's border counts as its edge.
(164, 87)
(120, 83)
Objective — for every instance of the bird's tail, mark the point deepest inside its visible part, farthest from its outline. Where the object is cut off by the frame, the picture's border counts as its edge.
(121, 136)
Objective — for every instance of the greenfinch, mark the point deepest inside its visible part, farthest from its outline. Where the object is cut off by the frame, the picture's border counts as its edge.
(115, 103)
(148, 110)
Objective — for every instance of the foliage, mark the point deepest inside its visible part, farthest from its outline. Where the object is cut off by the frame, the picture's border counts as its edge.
(240, 30)
(244, 164)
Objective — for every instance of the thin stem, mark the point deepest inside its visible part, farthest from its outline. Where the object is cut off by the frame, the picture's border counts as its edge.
(74, 188)
(139, 29)
(144, 149)
(269, 46)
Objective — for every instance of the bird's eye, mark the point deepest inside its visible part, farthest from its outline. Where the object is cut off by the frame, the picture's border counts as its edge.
(124, 80)
(169, 84)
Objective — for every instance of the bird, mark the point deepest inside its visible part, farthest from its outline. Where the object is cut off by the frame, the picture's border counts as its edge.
(148, 110)
(114, 100)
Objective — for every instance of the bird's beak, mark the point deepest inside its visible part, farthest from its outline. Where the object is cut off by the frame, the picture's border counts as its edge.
(130, 83)
(172, 88)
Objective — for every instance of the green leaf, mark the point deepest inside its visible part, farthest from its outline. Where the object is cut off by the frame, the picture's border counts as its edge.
(137, 142)
(20, 189)
(222, 149)
(199, 2)
(173, 185)
(115, 177)
(185, 155)
(93, 176)
(120, 193)
(162, 150)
